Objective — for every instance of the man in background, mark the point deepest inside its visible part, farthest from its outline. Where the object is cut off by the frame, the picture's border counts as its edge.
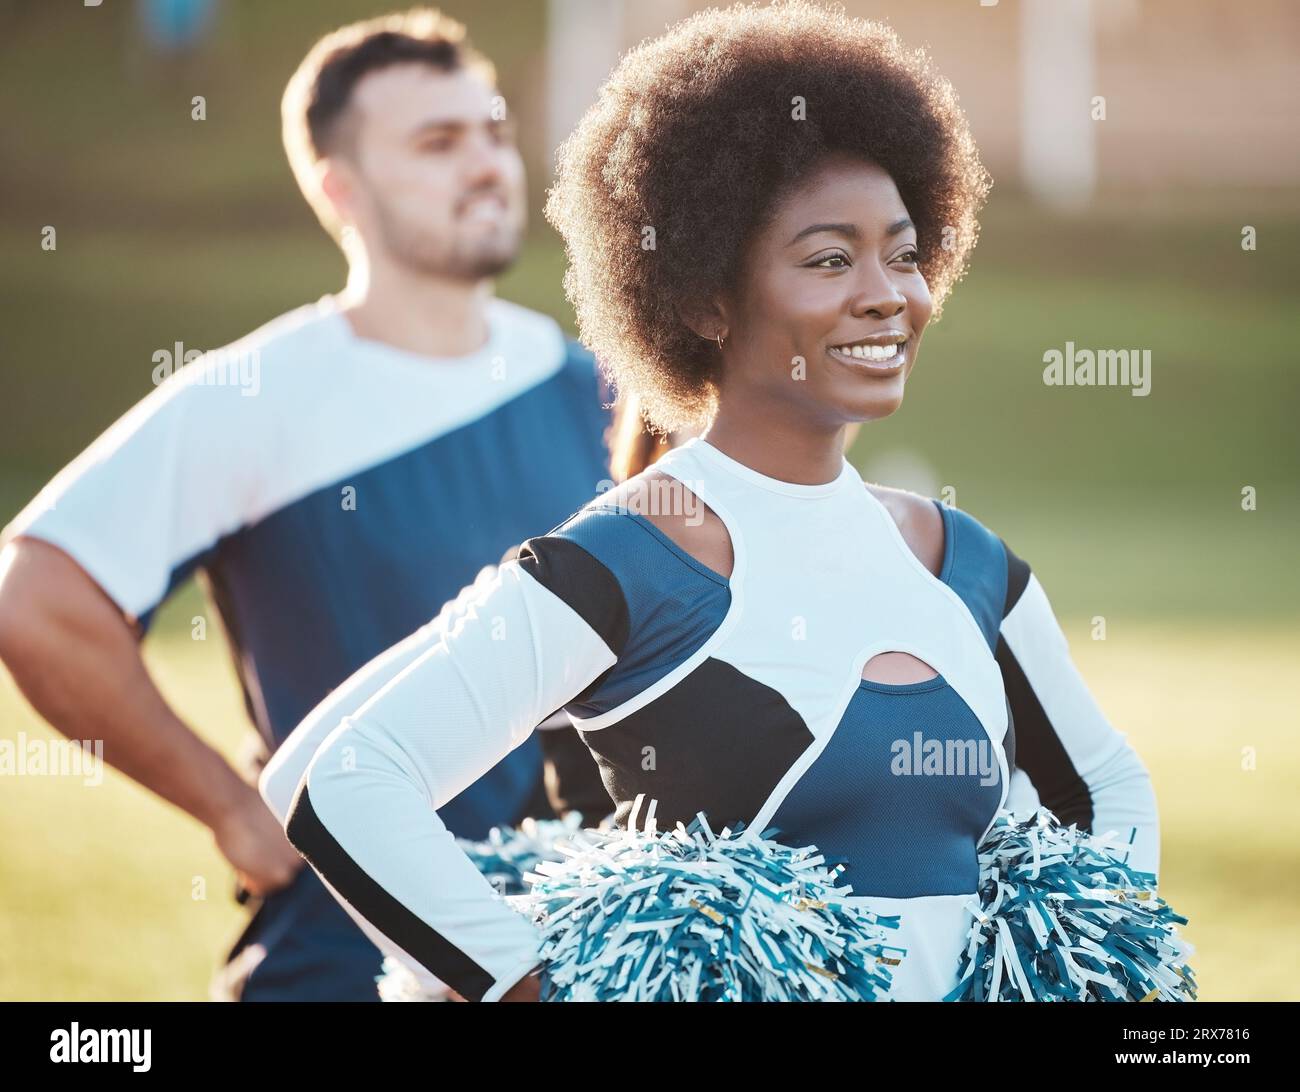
(335, 476)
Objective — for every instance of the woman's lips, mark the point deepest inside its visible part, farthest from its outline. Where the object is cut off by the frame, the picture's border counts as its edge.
(872, 361)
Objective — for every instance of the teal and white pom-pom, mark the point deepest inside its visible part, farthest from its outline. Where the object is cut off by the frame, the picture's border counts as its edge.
(509, 853)
(690, 915)
(1062, 918)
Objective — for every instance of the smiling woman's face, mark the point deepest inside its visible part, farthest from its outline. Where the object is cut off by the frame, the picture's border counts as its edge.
(830, 280)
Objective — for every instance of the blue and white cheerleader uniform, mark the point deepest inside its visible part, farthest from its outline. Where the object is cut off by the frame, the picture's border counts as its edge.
(738, 696)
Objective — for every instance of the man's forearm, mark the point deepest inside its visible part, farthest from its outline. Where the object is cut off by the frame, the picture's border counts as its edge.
(77, 661)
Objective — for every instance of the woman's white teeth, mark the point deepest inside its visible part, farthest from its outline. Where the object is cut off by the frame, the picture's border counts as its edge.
(870, 352)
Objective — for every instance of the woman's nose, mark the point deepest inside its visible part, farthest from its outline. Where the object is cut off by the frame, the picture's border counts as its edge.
(878, 296)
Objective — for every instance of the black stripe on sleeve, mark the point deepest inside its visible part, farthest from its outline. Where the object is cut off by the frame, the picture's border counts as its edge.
(1038, 749)
(587, 586)
(1017, 580)
(309, 835)
(582, 582)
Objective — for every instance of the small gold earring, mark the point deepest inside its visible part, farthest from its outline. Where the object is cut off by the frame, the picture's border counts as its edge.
(719, 341)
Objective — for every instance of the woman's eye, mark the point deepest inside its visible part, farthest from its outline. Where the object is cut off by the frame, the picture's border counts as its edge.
(820, 263)
(911, 256)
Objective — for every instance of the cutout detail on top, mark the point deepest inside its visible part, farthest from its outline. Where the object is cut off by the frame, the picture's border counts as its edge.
(897, 667)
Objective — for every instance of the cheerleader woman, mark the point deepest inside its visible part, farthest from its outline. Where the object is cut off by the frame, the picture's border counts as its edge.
(763, 212)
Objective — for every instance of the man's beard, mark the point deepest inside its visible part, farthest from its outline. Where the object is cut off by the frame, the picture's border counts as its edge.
(420, 251)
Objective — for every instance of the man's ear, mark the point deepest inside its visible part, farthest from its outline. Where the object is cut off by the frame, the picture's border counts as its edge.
(335, 185)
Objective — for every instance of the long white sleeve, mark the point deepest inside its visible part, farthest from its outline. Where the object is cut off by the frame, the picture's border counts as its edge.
(1068, 755)
(283, 772)
(518, 646)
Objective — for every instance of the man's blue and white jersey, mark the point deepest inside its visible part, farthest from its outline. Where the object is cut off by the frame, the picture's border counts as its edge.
(335, 492)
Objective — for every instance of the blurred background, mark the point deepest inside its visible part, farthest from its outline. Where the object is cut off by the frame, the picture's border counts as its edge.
(1115, 224)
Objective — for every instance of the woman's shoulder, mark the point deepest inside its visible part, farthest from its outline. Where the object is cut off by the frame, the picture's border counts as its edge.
(631, 555)
(650, 514)
(638, 565)
(935, 528)
(919, 520)
(960, 550)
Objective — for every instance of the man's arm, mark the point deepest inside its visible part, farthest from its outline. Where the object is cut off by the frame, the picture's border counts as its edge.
(76, 658)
